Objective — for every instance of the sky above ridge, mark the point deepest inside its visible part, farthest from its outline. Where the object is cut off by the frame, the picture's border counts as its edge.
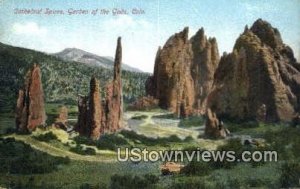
(141, 33)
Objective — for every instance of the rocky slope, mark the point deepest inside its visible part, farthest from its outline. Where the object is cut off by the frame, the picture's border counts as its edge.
(78, 55)
(30, 110)
(259, 79)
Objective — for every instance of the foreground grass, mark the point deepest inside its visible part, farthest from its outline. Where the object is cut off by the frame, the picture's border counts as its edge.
(78, 173)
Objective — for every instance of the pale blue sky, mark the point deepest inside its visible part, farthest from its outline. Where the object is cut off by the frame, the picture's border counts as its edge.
(142, 34)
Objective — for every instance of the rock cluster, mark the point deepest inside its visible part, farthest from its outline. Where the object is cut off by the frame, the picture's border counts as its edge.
(30, 109)
(96, 117)
(183, 72)
(260, 79)
(213, 127)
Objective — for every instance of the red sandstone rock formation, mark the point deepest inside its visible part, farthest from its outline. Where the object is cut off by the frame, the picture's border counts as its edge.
(261, 70)
(114, 103)
(82, 126)
(30, 110)
(184, 72)
(90, 112)
(95, 109)
(172, 82)
(205, 62)
(94, 117)
(213, 127)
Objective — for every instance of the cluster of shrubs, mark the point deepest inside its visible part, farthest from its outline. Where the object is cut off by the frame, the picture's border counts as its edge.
(133, 182)
(46, 137)
(113, 141)
(142, 139)
(106, 142)
(19, 158)
(79, 149)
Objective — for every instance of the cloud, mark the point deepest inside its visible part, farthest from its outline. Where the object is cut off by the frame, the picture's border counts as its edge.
(28, 28)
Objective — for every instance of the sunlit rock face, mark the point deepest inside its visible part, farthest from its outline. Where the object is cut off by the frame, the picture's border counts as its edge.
(30, 110)
(172, 83)
(260, 79)
(205, 62)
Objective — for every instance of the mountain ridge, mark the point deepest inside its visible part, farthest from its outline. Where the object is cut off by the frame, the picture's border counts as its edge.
(85, 57)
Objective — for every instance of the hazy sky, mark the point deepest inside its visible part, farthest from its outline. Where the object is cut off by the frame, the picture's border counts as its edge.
(141, 34)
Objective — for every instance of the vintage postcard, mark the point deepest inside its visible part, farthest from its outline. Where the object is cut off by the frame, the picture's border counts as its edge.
(154, 94)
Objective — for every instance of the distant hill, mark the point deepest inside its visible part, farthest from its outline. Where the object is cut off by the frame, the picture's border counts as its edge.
(78, 55)
(62, 80)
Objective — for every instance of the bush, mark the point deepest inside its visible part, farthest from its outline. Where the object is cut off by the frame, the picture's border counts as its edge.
(133, 182)
(47, 137)
(111, 142)
(198, 168)
(290, 174)
(106, 141)
(147, 140)
(19, 158)
(83, 151)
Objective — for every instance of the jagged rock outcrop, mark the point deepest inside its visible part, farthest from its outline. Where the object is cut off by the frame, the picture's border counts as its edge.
(205, 62)
(261, 71)
(172, 82)
(213, 127)
(30, 110)
(184, 73)
(96, 117)
(90, 112)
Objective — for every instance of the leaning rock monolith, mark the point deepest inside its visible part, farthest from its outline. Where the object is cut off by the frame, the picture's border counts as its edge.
(30, 110)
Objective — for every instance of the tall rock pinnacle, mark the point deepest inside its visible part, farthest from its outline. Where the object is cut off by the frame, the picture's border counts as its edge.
(90, 112)
(114, 99)
(30, 110)
(95, 109)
